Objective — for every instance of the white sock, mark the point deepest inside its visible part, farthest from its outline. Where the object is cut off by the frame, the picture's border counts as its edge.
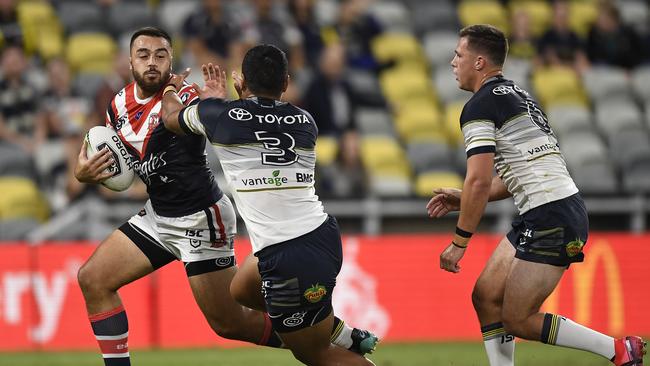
(342, 334)
(499, 346)
(564, 332)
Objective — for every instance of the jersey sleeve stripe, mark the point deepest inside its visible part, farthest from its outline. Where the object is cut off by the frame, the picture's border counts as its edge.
(481, 150)
(189, 120)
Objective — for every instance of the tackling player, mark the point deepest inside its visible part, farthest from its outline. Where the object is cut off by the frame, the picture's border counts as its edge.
(266, 149)
(505, 128)
(187, 217)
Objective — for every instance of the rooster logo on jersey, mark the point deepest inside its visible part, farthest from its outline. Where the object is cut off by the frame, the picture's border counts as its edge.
(154, 120)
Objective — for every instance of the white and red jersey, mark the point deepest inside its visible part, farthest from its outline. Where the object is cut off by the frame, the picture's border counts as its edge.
(173, 167)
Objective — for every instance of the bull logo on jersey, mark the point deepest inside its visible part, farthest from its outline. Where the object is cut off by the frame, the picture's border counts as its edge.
(315, 293)
(240, 114)
(574, 248)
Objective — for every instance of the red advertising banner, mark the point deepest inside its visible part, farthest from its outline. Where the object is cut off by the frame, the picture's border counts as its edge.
(390, 284)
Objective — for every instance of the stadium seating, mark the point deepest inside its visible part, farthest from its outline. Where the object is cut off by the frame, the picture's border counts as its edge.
(539, 12)
(565, 119)
(429, 155)
(386, 165)
(418, 119)
(582, 148)
(90, 52)
(81, 16)
(452, 123)
(597, 178)
(374, 121)
(326, 150)
(439, 47)
(392, 15)
(583, 13)
(426, 182)
(558, 86)
(42, 33)
(607, 83)
(400, 47)
(447, 86)
(21, 199)
(428, 15)
(129, 16)
(613, 116)
(172, 14)
(635, 13)
(483, 12)
(641, 82)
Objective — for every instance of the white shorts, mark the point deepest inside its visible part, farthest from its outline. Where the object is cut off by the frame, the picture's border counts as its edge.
(201, 236)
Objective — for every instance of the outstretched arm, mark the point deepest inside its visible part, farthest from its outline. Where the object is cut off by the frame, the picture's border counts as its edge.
(172, 104)
(214, 87)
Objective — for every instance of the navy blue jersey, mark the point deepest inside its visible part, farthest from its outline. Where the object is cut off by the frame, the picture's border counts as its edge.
(174, 168)
(267, 151)
(503, 119)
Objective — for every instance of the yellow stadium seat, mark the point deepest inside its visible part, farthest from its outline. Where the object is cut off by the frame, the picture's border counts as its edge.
(558, 86)
(418, 119)
(401, 84)
(583, 14)
(452, 123)
(426, 182)
(326, 149)
(383, 156)
(42, 31)
(90, 52)
(539, 13)
(483, 12)
(397, 46)
(21, 199)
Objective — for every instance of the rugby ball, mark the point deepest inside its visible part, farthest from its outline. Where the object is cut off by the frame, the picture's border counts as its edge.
(99, 137)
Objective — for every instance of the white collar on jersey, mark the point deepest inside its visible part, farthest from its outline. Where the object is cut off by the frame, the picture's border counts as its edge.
(138, 100)
(257, 100)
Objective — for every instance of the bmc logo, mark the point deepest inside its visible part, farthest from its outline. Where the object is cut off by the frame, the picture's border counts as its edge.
(240, 114)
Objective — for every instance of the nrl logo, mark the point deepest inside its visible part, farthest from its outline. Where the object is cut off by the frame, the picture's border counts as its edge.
(315, 293)
(574, 248)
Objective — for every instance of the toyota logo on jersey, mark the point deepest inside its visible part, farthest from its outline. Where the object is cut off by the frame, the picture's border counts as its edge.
(240, 114)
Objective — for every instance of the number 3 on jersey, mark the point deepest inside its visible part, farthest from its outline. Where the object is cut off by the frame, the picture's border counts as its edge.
(281, 146)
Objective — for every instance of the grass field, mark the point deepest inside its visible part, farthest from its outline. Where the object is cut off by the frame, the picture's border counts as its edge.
(422, 354)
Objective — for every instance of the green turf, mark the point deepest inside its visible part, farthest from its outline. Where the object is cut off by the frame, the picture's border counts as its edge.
(457, 354)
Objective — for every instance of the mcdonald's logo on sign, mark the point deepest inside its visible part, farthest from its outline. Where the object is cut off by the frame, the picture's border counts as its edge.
(583, 288)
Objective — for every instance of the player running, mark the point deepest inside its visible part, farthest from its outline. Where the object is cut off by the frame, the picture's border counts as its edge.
(266, 149)
(505, 128)
(187, 217)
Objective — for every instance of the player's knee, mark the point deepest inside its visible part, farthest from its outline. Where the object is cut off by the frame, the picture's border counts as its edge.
(482, 297)
(86, 280)
(237, 292)
(227, 330)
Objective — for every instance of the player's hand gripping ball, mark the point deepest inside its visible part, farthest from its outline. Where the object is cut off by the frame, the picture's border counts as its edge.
(99, 137)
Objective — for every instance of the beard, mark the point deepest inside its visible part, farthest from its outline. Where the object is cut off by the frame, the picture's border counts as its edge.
(149, 86)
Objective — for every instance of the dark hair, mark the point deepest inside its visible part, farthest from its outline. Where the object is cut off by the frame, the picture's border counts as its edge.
(487, 39)
(151, 32)
(265, 69)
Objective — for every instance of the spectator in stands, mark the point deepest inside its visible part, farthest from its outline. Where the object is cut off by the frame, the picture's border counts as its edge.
(302, 12)
(268, 23)
(210, 34)
(560, 45)
(10, 31)
(330, 101)
(611, 42)
(521, 40)
(356, 28)
(268, 28)
(65, 110)
(21, 122)
(113, 83)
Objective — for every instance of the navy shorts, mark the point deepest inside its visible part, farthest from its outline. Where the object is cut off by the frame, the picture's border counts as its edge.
(299, 275)
(554, 233)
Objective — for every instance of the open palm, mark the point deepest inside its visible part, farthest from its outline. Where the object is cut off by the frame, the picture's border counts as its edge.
(214, 82)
